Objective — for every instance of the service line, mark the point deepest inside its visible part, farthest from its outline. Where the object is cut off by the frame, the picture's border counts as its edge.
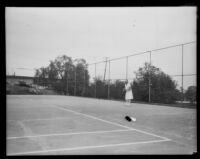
(87, 147)
(129, 128)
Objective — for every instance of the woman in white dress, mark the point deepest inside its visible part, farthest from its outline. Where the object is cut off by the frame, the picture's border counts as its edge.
(129, 94)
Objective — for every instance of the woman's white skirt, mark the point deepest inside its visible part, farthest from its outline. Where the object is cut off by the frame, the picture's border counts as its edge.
(129, 95)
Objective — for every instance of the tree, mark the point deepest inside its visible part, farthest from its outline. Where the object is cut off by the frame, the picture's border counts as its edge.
(82, 76)
(190, 94)
(62, 65)
(53, 74)
(61, 72)
(116, 90)
(163, 88)
(41, 75)
(101, 91)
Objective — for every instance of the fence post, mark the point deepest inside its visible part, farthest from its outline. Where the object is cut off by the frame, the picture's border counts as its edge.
(95, 90)
(105, 69)
(75, 82)
(182, 99)
(84, 82)
(67, 83)
(126, 67)
(109, 80)
(150, 78)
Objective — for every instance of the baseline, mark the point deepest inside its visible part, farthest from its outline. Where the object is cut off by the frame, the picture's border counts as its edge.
(88, 147)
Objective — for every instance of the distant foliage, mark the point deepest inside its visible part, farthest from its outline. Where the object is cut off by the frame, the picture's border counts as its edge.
(116, 90)
(163, 88)
(190, 94)
(61, 73)
(22, 83)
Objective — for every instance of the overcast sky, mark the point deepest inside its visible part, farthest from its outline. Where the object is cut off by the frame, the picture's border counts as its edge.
(34, 36)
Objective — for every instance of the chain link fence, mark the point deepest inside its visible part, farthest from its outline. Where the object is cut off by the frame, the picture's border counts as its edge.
(178, 61)
(105, 79)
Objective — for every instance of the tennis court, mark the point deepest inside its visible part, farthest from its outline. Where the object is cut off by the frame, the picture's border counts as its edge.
(66, 125)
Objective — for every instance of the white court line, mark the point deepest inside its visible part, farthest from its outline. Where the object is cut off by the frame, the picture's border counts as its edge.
(90, 116)
(27, 120)
(88, 147)
(65, 134)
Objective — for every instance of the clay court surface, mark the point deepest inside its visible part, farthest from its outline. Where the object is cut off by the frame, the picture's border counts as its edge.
(65, 125)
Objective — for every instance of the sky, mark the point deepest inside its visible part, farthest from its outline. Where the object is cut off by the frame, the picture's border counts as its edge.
(34, 36)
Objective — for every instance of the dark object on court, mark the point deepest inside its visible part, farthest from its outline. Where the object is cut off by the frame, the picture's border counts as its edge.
(128, 118)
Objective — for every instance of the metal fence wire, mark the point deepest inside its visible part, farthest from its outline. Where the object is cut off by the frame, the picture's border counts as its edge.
(177, 61)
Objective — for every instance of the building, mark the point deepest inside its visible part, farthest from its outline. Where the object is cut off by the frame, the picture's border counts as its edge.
(15, 79)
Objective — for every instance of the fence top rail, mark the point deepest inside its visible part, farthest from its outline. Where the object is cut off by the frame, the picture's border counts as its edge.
(120, 79)
(185, 75)
(173, 46)
(142, 53)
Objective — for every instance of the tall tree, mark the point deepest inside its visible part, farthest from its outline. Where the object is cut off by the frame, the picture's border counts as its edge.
(163, 88)
(41, 75)
(61, 72)
(190, 94)
(82, 76)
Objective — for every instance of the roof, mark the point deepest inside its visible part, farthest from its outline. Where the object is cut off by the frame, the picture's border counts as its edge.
(19, 77)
